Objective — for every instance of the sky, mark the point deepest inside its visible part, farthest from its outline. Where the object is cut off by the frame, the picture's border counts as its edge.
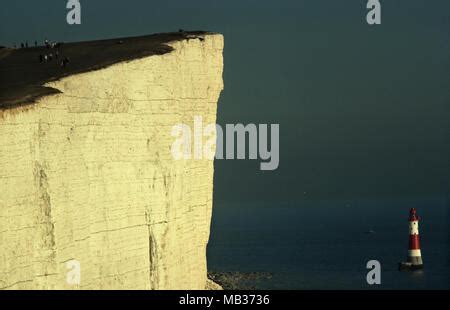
(363, 110)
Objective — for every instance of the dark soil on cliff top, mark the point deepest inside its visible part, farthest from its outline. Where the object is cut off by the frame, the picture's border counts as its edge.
(22, 74)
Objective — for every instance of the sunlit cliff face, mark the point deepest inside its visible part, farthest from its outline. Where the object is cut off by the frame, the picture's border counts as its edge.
(88, 181)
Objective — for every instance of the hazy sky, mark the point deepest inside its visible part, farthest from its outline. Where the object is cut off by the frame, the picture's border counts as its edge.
(363, 110)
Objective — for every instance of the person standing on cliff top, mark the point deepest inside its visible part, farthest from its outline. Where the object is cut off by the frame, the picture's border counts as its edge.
(64, 62)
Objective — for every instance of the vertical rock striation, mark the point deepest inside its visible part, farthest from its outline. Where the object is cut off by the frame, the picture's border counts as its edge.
(87, 174)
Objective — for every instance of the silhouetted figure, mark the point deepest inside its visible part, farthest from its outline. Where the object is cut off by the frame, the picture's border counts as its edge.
(65, 62)
(26, 44)
(21, 45)
(41, 58)
(47, 44)
(35, 43)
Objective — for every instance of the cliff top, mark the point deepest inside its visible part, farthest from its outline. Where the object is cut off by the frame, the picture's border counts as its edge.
(22, 73)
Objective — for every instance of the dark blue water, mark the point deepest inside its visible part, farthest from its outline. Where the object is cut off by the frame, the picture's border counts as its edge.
(324, 244)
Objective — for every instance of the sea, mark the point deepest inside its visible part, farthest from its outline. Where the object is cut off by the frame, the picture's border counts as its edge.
(327, 244)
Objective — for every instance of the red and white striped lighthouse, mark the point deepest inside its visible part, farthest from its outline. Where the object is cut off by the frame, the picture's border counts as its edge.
(414, 255)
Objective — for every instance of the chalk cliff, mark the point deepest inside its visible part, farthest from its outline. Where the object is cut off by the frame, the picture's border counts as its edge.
(87, 175)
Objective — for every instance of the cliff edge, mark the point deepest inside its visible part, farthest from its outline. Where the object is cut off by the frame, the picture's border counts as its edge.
(88, 181)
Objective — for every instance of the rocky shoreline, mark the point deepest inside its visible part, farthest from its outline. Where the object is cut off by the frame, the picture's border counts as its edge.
(235, 280)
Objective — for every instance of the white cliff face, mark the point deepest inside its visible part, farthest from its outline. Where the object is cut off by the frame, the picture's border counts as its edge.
(88, 175)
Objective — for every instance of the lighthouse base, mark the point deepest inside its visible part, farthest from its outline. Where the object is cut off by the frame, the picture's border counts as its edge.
(415, 260)
(408, 266)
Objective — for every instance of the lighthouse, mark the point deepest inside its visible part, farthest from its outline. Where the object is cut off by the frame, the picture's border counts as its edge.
(414, 260)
